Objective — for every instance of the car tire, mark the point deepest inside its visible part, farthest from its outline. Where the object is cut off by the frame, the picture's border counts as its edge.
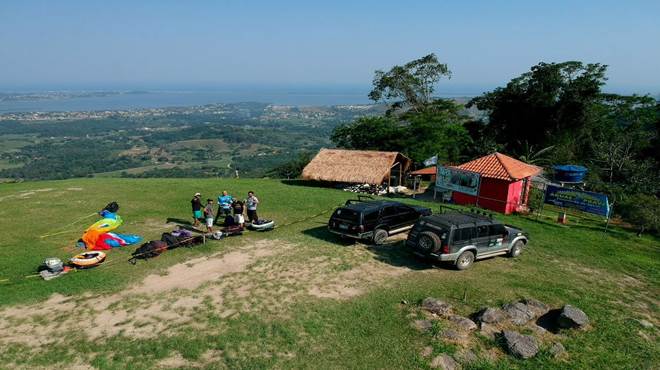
(380, 235)
(465, 260)
(428, 242)
(516, 249)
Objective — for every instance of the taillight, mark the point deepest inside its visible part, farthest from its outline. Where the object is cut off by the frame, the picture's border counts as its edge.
(445, 249)
(361, 228)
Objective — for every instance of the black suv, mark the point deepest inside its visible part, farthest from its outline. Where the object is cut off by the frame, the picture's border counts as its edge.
(374, 220)
(462, 238)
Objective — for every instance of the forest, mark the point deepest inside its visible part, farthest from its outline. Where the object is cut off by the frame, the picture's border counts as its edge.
(556, 113)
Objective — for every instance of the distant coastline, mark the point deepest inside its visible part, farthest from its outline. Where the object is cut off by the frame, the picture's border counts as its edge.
(111, 100)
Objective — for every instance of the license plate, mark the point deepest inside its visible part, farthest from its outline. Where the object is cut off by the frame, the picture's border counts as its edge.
(343, 227)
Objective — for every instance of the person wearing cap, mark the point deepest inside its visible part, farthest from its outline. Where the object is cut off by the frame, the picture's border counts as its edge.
(196, 203)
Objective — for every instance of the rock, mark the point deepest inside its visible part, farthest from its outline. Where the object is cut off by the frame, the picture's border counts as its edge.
(452, 335)
(645, 324)
(444, 362)
(463, 323)
(537, 307)
(423, 325)
(436, 306)
(427, 351)
(523, 346)
(488, 330)
(519, 313)
(466, 356)
(538, 330)
(557, 350)
(491, 315)
(572, 317)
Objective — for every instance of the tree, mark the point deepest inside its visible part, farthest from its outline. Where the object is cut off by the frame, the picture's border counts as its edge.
(437, 129)
(409, 86)
(370, 133)
(293, 168)
(643, 211)
(552, 102)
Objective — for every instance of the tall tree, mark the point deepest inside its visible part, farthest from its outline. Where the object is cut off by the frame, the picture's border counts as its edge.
(552, 100)
(409, 86)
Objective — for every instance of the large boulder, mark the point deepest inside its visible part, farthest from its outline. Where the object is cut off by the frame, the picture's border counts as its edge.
(463, 323)
(444, 362)
(519, 345)
(537, 307)
(436, 306)
(422, 325)
(572, 317)
(519, 313)
(491, 315)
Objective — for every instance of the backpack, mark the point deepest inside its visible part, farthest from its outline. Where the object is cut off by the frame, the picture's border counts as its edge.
(111, 207)
(149, 250)
(171, 240)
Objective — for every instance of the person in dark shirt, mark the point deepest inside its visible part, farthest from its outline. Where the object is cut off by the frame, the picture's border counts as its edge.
(238, 212)
(196, 203)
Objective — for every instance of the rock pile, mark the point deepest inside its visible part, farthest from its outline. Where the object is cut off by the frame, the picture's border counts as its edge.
(520, 328)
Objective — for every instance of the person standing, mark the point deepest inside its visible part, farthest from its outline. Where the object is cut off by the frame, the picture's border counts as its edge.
(238, 212)
(208, 215)
(224, 205)
(252, 202)
(196, 209)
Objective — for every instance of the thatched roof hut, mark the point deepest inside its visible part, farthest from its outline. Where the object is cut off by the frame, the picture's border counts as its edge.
(356, 166)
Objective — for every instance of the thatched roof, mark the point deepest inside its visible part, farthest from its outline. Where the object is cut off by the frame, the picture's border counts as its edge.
(354, 166)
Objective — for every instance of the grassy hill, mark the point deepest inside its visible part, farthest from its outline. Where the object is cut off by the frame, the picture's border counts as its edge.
(296, 296)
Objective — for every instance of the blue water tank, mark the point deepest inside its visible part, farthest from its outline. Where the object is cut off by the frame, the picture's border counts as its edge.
(569, 173)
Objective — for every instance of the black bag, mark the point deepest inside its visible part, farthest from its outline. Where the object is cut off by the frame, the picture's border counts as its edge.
(171, 240)
(149, 250)
(111, 207)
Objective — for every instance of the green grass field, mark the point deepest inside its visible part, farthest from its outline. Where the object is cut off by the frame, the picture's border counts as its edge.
(296, 297)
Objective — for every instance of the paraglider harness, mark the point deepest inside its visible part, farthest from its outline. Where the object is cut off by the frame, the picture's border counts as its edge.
(167, 241)
(111, 207)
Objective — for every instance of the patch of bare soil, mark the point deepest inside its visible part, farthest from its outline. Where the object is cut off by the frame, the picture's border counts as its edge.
(264, 277)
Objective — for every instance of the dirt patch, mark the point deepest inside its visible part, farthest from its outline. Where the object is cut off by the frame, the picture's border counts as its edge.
(194, 273)
(176, 361)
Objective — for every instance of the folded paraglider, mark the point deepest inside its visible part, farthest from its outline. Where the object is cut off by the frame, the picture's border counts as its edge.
(98, 236)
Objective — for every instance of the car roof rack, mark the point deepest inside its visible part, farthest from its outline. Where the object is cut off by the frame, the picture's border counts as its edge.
(360, 199)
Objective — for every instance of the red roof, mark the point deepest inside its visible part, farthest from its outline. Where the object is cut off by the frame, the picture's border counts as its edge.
(425, 171)
(500, 166)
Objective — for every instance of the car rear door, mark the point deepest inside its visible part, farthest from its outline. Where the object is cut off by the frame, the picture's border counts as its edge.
(481, 239)
(407, 215)
(462, 237)
(389, 217)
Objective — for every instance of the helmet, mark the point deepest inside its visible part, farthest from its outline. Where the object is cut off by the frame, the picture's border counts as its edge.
(217, 235)
(54, 264)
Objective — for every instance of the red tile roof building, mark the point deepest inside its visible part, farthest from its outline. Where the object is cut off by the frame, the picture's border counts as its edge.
(504, 185)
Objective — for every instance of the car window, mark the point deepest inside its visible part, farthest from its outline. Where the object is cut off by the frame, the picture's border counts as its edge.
(497, 229)
(482, 231)
(347, 214)
(404, 209)
(389, 211)
(371, 216)
(464, 234)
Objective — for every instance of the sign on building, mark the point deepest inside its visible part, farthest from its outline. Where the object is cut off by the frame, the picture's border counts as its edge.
(585, 201)
(453, 179)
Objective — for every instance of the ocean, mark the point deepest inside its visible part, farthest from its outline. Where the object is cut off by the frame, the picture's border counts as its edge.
(182, 98)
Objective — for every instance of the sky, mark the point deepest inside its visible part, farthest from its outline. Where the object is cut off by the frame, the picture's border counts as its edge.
(150, 44)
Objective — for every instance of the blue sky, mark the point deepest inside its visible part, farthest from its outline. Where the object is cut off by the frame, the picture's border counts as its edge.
(98, 44)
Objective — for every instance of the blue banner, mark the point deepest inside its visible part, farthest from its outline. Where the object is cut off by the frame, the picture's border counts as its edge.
(585, 201)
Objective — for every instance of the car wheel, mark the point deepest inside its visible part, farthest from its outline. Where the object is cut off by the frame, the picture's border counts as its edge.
(516, 249)
(380, 235)
(428, 242)
(465, 260)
